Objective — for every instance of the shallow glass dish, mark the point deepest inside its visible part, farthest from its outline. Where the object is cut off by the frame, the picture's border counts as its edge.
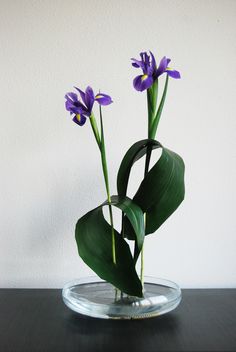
(96, 298)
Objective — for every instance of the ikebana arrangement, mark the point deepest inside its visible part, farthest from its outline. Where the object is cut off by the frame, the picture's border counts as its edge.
(105, 250)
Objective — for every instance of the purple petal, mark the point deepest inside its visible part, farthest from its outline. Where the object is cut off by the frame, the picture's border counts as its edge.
(79, 119)
(146, 58)
(153, 64)
(68, 105)
(173, 73)
(162, 66)
(147, 68)
(72, 96)
(89, 91)
(103, 99)
(137, 63)
(89, 98)
(82, 94)
(142, 82)
(71, 107)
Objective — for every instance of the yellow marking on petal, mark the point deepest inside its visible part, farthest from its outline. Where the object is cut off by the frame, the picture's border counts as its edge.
(144, 77)
(78, 117)
(169, 69)
(98, 96)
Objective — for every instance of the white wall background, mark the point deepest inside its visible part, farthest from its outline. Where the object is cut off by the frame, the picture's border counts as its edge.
(50, 169)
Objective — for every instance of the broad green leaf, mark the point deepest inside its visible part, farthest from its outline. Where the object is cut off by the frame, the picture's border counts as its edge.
(135, 215)
(135, 152)
(161, 191)
(94, 241)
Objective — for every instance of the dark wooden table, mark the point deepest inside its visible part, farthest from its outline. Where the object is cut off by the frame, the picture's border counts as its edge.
(37, 320)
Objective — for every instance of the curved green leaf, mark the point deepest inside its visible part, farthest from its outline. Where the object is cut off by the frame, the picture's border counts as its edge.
(135, 215)
(161, 191)
(94, 241)
(135, 152)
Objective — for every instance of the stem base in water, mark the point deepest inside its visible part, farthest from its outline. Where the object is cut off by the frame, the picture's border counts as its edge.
(97, 298)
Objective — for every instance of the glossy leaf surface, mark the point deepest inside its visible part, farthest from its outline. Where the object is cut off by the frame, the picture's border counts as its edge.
(161, 191)
(94, 241)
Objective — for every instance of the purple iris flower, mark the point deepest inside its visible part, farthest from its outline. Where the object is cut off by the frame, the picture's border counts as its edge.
(82, 110)
(150, 70)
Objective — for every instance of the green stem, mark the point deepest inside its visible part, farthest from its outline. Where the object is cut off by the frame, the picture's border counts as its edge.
(152, 95)
(105, 173)
(147, 162)
(101, 145)
(112, 233)
(156, 120)
(142, 259)
(94, 126)
(153, 121)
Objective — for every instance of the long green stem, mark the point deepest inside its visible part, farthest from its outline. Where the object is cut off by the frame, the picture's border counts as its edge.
(94, 126)
(156, 120)
(147, 162)
(105, 173)
(152, 95)
(101, 145)
(142, 258)
(153, 121)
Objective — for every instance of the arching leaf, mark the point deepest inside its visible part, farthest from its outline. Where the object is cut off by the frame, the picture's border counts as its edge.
(135, 152)
(161, 191)
(135, 216)
(94, 241)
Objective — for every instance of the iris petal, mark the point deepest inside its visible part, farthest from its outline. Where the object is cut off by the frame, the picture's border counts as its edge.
(136, 63)
(103, 99)
(150, 70)
(146, 58)
(80, 121)
(89, 92)
(162, 66)
(72, 96)
(82, 94)
(72, 107)
(68, 105)
(142, 82)
(89, 98)
(173, 73)
(153, 63)
(83, 110)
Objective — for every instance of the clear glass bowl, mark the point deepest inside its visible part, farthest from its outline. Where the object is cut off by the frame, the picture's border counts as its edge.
(94, 297)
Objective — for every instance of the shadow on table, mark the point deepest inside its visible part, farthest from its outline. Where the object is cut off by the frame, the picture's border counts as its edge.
(135, 335)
